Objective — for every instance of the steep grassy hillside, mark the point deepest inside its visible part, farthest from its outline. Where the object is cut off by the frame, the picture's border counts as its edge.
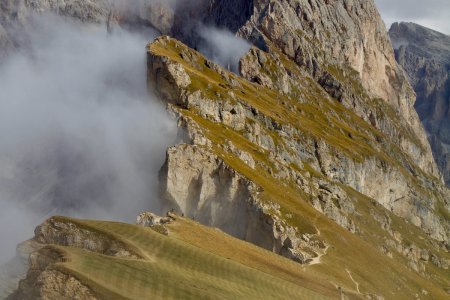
(296, 150)
(192, 262)
(257, 164)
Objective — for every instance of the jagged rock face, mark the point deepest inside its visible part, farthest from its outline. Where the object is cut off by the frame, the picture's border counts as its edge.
(200, 185)
(425, 56)
(59, 232)
(210, 179)
(46, 282)
(345, 31)
(323, 37)
(319, 34)
(171, 80)
(51, 284)
(313, 32)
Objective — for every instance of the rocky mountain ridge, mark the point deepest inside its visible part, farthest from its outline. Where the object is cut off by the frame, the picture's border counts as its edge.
(313, 151)
(425, 56)
(203, 178)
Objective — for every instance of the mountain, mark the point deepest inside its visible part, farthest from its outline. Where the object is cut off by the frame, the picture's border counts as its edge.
(107, 260)
(311, 150)
(425, 56)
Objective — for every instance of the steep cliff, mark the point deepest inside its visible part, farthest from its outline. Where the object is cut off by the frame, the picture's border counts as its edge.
(425, 56)
(409, 147)
(337, 42)
(313, 151)
(258, 157)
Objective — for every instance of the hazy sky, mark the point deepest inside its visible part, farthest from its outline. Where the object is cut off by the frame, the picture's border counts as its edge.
(433, 14)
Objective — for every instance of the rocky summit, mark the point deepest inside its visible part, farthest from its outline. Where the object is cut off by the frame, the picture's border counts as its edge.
(304, 174)
(425, 56)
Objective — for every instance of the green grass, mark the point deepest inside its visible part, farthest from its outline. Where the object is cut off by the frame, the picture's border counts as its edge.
(375, 272)
(176, 267)
(317, 117)
(197, 262)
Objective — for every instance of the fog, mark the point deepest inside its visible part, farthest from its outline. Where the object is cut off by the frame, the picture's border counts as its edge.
(222, 46)
(80, 135)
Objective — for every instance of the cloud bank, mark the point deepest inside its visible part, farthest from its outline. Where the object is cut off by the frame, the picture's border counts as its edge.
(80, 135)
(222, 46)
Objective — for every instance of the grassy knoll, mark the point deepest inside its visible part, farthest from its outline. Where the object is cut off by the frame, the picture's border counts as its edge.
(193, 263)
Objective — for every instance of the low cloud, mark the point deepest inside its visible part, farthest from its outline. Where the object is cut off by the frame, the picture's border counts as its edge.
(81, 136)
(222, 46)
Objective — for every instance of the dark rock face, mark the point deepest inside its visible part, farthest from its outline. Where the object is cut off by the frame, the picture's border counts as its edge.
(425, 56)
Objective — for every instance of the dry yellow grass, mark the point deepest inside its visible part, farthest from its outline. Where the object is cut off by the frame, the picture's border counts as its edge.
(352, 262)
(194, 262)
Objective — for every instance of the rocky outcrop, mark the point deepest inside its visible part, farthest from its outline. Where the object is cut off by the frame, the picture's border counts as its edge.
(16, 269)
(155, 222)
(342, 44)
(43, 283)
(44, 280)
(401, 193)
(65, 233)
(148, 219)
(425, 56)
(200, 185)
(230, 130)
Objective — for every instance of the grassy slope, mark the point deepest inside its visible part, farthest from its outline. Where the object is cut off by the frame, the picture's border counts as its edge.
(372, 270)
(194, 263)
(350, 259)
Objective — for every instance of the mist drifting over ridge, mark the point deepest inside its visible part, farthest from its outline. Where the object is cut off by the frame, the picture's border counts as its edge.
(80, 135)
(222, 46)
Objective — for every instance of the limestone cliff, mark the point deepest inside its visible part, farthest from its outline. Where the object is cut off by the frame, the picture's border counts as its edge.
(337, 42)
(313, 151)
(308, 49)
(345, 48)
(257, 155)
(425, 56)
